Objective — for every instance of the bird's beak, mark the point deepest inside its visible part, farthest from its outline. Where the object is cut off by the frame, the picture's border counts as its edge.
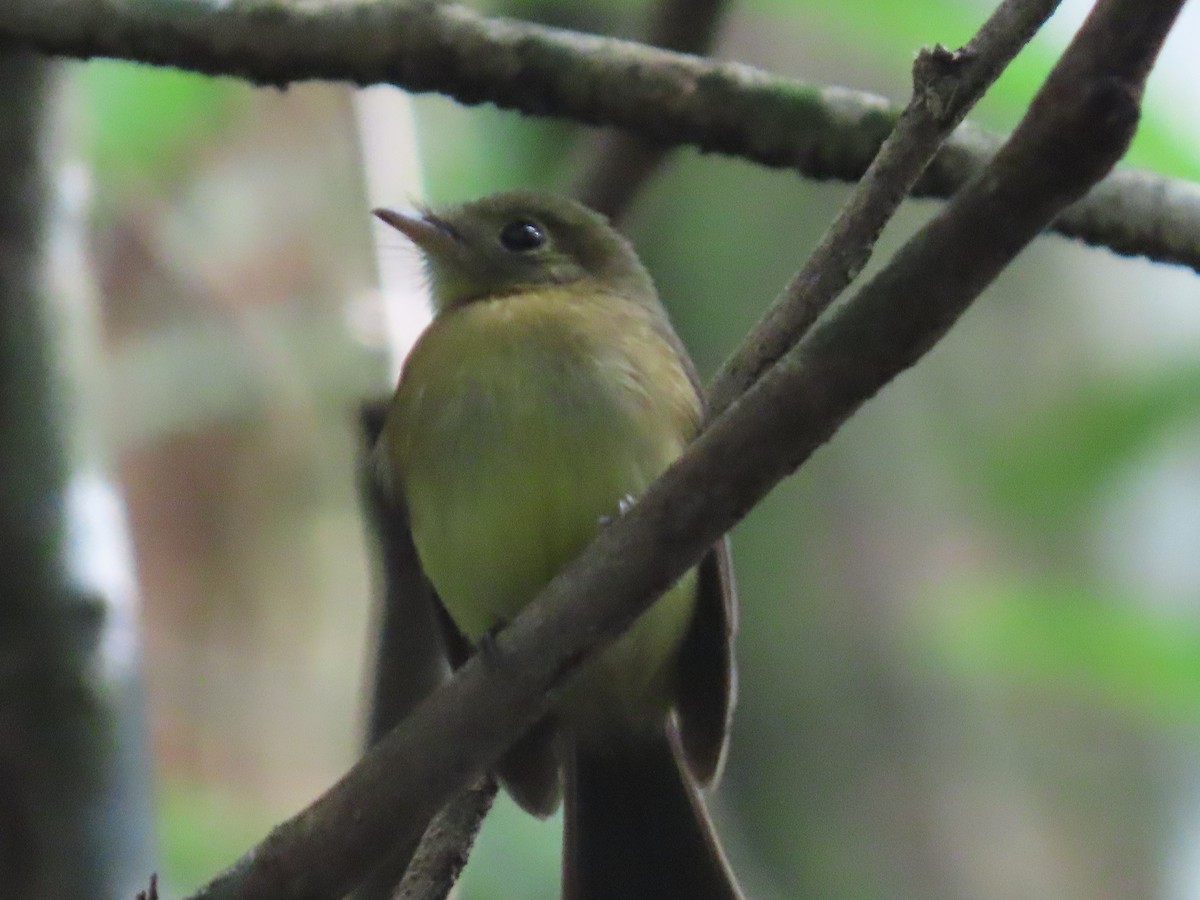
(424, 230)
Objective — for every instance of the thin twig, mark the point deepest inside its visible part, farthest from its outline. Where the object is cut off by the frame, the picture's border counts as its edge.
(622, 162)
(1079, 124)
(152, 892)
(443, 850)
(945, 87)
(662, 96)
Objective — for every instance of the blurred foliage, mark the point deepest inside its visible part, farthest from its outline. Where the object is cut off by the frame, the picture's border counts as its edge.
(1049, 471)
(893, 32)
(926, 583)
(143, 124)
(1071, 639)
(517, 852)
(202, 829)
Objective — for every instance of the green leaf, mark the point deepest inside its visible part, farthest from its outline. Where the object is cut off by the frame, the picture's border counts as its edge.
(1051, 470)
(1069, 638)
(142, 123)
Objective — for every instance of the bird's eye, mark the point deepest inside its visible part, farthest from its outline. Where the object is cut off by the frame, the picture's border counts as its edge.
(522, 236)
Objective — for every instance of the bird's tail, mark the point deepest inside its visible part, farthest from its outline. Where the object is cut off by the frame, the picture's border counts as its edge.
(636, 828)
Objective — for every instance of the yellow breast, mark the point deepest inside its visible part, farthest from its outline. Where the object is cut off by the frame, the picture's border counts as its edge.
(519, 424)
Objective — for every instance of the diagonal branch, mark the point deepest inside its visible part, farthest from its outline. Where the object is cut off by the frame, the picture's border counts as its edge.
(662, 96)
(1079, 124)
(443, 850)
(945, 87)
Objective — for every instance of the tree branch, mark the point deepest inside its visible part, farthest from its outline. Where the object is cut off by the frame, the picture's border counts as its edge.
(662, 96)
(945, 87)
(443, 850)
(1079, 124)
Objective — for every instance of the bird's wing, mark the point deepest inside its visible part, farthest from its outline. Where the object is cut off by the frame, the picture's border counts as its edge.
(707, 668)
(412, 655)
(707, 673)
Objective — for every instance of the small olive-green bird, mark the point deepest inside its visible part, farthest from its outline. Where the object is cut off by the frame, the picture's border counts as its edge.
(549, 392)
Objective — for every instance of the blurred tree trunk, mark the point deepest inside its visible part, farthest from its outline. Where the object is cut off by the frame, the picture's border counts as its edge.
(74, 770)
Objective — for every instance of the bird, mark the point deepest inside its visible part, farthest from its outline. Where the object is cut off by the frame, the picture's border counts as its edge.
(547, 393)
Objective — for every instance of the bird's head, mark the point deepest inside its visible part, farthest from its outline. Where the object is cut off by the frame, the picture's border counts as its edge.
(518, 241)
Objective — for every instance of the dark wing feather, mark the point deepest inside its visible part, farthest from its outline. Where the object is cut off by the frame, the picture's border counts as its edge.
(707, 670)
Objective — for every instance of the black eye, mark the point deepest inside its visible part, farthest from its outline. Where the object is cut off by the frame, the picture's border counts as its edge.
(522, 236)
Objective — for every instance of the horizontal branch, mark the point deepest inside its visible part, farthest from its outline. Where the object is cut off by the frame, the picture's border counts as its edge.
(1078, 126)
(663, 96)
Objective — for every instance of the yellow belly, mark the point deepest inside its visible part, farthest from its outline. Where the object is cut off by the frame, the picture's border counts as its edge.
(514, 434)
